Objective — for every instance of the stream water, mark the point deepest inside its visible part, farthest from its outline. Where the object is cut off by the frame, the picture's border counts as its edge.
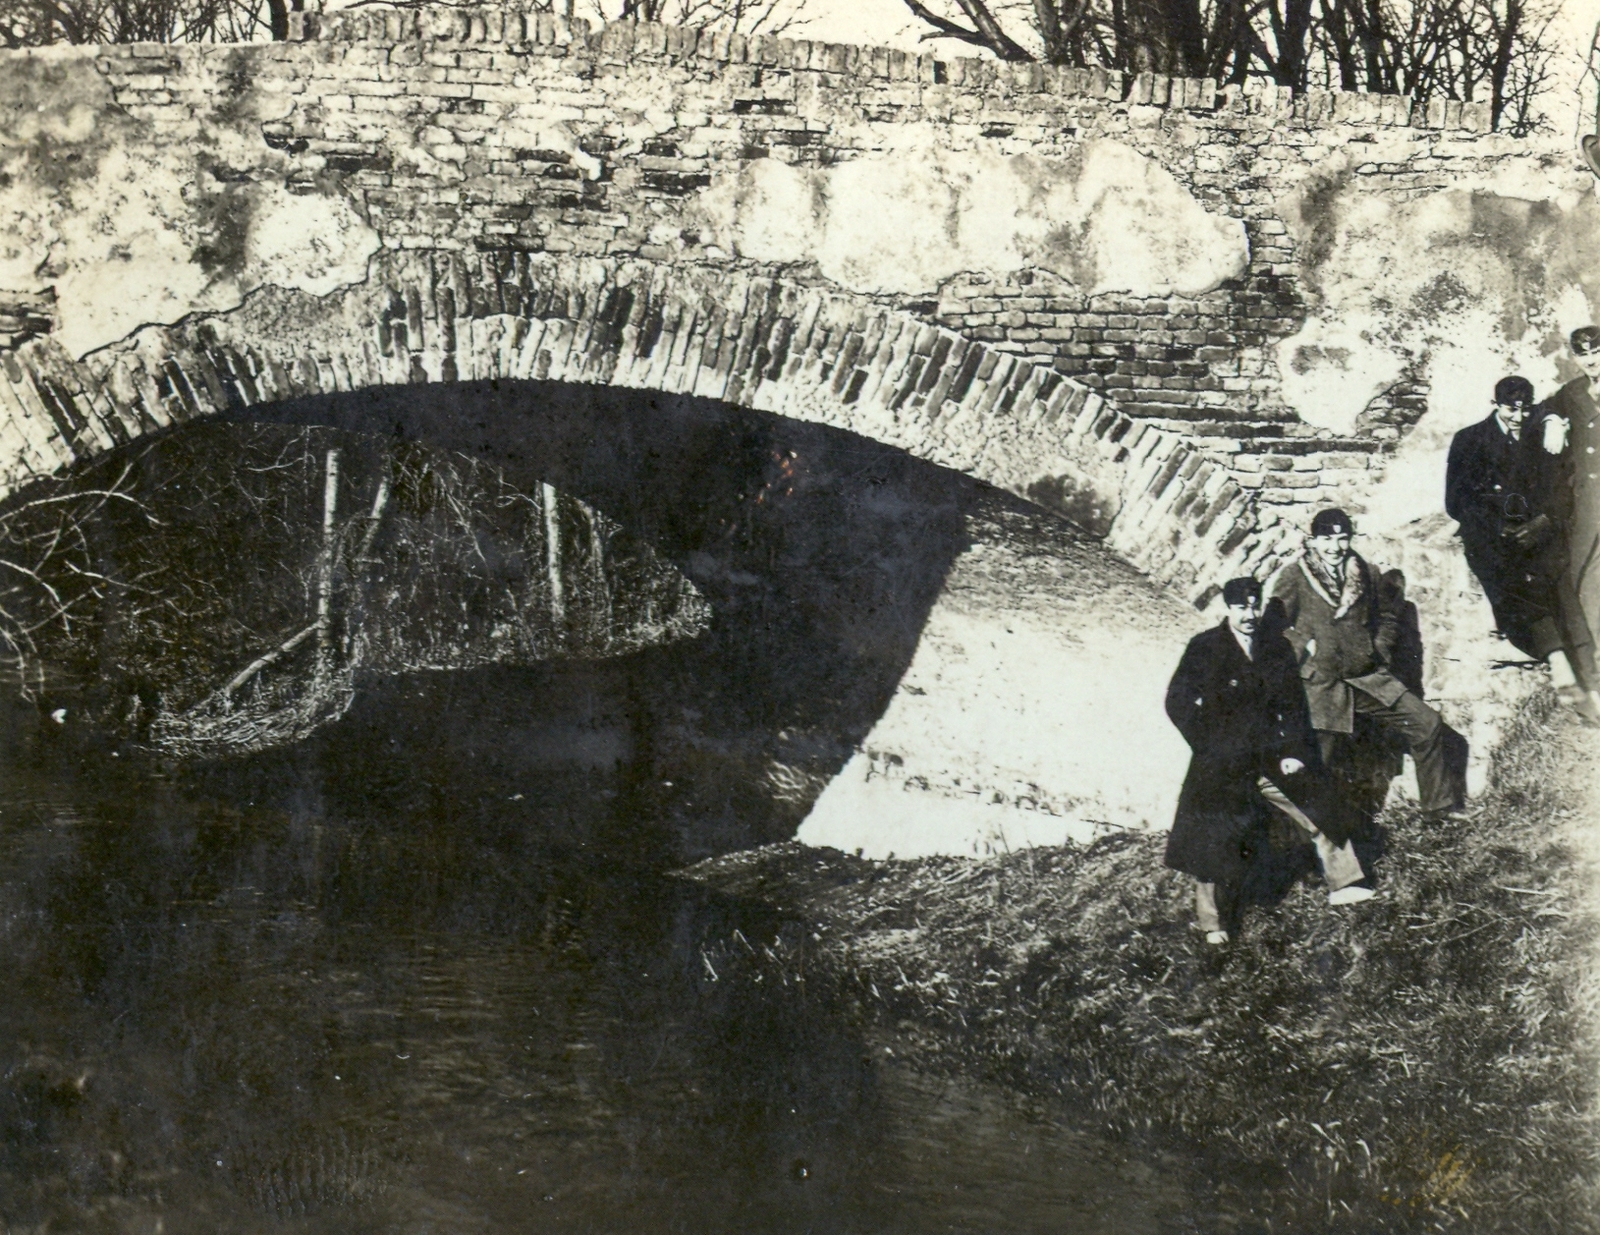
(429, 971)
(360, 986)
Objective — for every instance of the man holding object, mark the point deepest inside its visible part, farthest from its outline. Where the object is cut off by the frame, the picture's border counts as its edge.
(1509, 491)
(1237, 700)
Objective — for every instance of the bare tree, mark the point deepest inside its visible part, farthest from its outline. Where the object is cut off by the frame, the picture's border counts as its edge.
(223, 586)
(1494, 51)
(51, 578)
(740, 16)
(36, 23)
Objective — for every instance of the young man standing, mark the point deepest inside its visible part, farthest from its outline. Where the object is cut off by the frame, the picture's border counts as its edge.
(1236, 698)
(1330, 608)
(1571, 425)
(1512, 495)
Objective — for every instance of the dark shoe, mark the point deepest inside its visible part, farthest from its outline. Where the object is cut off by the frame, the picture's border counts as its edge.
(1448, 814)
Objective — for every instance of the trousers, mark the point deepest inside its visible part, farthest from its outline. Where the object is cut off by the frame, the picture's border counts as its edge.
(1425, 734)
(1340, 866)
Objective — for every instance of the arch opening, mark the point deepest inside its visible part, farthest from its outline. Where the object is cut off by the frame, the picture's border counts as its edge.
(823, 556)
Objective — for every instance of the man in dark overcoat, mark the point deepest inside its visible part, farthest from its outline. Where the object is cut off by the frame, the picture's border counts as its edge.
(1577, 408)
(1508, 486)
(1236, 698)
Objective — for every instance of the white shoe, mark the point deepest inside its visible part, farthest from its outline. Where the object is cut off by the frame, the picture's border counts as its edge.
(1216, 937)
(1353, 895)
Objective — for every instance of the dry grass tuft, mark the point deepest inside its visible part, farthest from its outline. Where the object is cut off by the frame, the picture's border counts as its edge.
(1425, 1061)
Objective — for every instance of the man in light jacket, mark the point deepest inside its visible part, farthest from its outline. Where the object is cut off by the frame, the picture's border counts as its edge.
(1331, 609)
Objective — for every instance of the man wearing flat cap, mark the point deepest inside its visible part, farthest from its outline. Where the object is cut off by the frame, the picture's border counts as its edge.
(1236, 698)
(1509, 488)
(1571, 423)
(1330, 605)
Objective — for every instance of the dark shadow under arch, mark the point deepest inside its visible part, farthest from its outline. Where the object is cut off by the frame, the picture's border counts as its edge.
(820, 551)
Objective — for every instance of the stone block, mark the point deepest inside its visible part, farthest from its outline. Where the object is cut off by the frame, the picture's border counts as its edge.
(1475, 117)
(617, 40)
(1289, 480)
(1025, 77)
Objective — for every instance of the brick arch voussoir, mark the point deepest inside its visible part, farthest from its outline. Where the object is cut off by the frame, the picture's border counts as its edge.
(760, 342)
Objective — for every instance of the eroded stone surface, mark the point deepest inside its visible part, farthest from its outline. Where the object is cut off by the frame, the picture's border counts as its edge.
(1032, 712)
(1459, 287)
(133, 222)
(1105, 218)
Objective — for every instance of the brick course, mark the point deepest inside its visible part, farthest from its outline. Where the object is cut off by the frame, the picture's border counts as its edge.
(435, 122)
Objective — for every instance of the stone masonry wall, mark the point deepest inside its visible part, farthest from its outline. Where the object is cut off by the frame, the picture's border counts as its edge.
(803, 352)
(498, 136)
(428, 120)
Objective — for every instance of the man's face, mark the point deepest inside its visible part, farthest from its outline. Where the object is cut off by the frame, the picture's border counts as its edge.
(1244, 615)
(1332, 547)
(1512, 413)
(1589, 361)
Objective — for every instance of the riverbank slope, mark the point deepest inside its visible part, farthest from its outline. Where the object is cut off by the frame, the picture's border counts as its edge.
(1425, 1061)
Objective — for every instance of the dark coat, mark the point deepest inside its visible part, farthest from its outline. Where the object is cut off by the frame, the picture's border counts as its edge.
(1494, 485)
(1582, 468)
(1240, 717)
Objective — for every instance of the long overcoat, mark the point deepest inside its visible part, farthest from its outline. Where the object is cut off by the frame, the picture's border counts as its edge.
(1240, 716)
(1575, 402)
(1492, 483)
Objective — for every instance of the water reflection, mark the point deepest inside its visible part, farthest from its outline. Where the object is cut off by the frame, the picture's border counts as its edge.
(229, 1014)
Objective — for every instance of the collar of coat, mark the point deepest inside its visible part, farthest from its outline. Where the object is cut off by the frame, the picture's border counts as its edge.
(1342, 597)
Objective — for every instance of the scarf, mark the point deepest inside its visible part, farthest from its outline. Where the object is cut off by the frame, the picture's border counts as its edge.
(1348, 590)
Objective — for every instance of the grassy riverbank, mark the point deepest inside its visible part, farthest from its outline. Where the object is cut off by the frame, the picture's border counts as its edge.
(1425, 1061)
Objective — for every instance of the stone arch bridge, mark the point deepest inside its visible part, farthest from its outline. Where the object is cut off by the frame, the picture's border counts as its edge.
(762, 343)
(1120, 298)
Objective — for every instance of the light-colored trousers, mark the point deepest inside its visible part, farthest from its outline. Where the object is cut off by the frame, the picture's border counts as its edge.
(1340, 866)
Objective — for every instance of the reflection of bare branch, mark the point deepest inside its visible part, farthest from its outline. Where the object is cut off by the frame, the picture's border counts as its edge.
(78, 495)
(269, 659)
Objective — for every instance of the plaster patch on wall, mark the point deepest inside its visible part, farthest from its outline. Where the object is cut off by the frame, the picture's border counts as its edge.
(1465, 284)
(134, 225)
(1106, 218)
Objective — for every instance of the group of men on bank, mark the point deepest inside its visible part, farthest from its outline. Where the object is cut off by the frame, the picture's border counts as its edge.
(1272, 699)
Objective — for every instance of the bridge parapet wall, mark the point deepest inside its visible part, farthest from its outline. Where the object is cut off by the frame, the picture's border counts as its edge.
(501, 131)
(497, 141)
(646, 40)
